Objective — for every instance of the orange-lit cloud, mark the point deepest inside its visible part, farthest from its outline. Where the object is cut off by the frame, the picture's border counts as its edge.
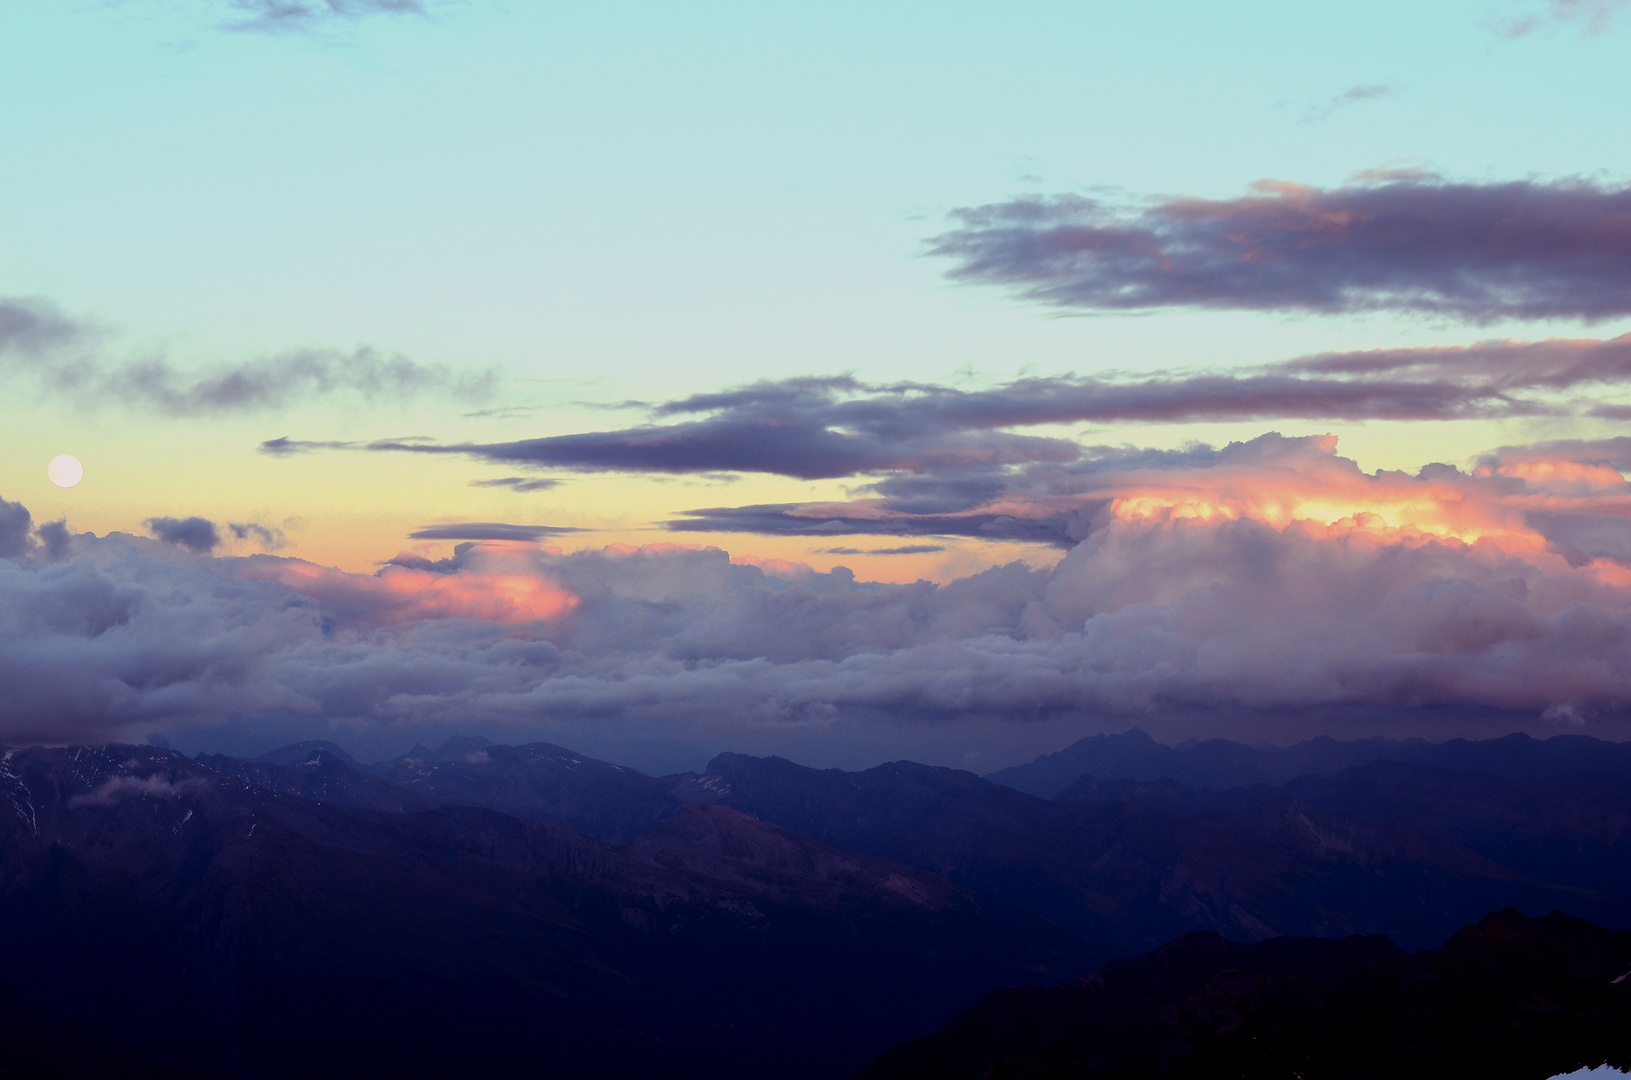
(501, 588)
(1272, 577)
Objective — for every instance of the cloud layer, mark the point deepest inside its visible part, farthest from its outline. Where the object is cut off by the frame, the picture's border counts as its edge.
(271, 16)
(838, 427)
(1413, 243)
(1272, 575)
(1593, 16)
(68, 358)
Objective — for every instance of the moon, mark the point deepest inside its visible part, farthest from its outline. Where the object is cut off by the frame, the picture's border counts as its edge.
(65, 470)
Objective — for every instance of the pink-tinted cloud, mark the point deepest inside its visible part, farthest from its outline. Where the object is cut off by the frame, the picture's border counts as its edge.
(498, 586)
(1271, 577)
(1592, 16)
(835, 427)
(1414, 243)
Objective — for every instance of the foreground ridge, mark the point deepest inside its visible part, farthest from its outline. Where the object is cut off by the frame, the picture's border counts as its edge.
(1513, 996)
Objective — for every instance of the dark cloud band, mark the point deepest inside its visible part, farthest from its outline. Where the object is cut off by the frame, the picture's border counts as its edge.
(814, 429)
(1475, 252)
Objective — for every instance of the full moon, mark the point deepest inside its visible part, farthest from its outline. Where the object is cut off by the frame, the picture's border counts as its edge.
(65, 470)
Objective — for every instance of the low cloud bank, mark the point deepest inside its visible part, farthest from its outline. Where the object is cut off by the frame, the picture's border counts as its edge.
(1272, 575)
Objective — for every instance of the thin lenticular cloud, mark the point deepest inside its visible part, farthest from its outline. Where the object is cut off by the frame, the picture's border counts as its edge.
(828, 428)
(867, 518)
(520, 484)
(490, 530)
(908, 549)
(1414, 244)
(1352, 96)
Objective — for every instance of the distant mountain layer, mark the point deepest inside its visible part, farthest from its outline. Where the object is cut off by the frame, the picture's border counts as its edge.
(1405, 850)
(1218, 764)
(465, 910)
(1512, 997)
(161, 917)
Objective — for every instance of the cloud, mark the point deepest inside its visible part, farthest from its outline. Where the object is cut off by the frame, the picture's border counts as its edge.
(837, 427)
(1410, 243)
(909, 549)
(519, 483)
(20, 538)
(1594, 16)
(16, 523)
(262, 536)
(1351, 96)
(115, 788)
(34, 327)
(274, 16)
(874, 518)
(1270, 577)
(55, 539)
(489, 530)
(196, 534)
(66, 357)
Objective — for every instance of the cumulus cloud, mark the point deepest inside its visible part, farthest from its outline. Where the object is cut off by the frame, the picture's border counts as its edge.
(68, 357)
(1271, 576)
(194, 533)
(16, 525)
(55, 540)
(1408, 243)
(201, 535)
(826, 428)
(264, 537)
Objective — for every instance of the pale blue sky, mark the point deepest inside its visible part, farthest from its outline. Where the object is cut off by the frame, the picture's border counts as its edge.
(626, 199)
(719, 186)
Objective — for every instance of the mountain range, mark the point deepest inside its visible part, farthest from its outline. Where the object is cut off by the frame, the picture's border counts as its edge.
(489, 909)
(1509, 997)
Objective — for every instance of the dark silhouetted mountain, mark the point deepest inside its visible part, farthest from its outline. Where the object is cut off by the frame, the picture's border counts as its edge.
(1142, 862)
(1127, 863)
(536, 781)
(544, 783)
(303, 752)
(1572, 831)
(320, 774)
(1219, 764)
(1512, 997)
(456, 748)
(178, 917)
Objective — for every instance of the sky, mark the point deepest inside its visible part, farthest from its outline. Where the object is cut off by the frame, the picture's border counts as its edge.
(843, 381)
